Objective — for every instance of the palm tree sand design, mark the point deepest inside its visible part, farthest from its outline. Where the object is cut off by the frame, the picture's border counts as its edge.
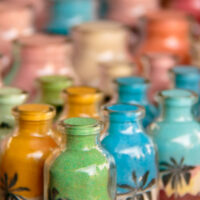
(53, 193)
(137, 192)
(175, 173)
(9, 190)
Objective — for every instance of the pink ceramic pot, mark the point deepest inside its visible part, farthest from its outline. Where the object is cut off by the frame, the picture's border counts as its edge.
(156, 69)
(40, 7)
(43, 55)
(128, 11)
(12, 27)
(189, 6)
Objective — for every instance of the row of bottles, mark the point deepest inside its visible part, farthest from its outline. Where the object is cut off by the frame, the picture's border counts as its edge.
(131, 163)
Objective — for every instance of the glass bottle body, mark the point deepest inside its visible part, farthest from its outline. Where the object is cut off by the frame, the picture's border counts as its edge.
(134, 153)
(84, 170)
(176, 134)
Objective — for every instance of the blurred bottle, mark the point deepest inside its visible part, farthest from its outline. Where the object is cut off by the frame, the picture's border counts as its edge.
(24, 153)
(111, 71)
(51, 88)
(168, 32)
(156, 70)
(40, 8)
(98, 43)
(9, 98)
(13, 27)
(42, 55)
(82, 102)
(67, 13)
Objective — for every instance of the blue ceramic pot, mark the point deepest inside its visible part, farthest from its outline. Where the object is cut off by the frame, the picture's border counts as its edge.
(133, 151)
(188, 77)
(67, 13)
(177, 136)
(133, 90)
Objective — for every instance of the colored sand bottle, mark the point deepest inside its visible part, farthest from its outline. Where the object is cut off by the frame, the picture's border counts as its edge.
(133, 151)
(134, 90)
(176, 134)
(84, 170)
(24, 153)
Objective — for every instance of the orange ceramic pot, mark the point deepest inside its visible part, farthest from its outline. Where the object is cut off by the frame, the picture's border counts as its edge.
(168, 32)
(43, 55)
(82, 102)
(24, 153)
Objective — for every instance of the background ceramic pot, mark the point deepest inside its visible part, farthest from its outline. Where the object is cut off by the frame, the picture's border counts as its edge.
(98, 43)
(43, 55)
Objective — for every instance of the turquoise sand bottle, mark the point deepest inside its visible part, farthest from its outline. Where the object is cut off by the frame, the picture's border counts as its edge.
(134, 90)
(188, 77)
(133, 151)
(177, 136)
(84, 170)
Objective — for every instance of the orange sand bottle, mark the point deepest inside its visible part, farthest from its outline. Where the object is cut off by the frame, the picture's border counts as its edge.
(82, 102)
(24, 153)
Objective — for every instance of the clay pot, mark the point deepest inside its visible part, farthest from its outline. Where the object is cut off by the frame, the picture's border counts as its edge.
(43, 55)
(168, 31)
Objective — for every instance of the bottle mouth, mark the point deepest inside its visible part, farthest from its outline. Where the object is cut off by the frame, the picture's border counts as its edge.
(178, 97)
(55, 82)
(11, 95)
(34, 112)
(125, 112)
(81, 126)
(83, 95)
(186, 72)
(132, 81)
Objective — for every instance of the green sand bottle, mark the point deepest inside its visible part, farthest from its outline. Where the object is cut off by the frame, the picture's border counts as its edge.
(51, 88)
(84, 170)
(9, 98)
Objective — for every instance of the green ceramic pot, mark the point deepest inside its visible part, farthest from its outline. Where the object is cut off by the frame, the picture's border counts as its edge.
(84, 170)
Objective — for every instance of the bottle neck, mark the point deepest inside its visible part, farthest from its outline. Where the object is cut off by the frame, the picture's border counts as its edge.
(34, 128)
(83, 143)
(176, 113)
(82, 110)
(125, 127)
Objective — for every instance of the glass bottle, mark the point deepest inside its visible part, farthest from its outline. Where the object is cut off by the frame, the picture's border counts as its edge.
(188, 77)
(51, 88)
(84, 170)
(176, 134)
(134, 153)
(98, 43)
(82, 102)
(9, 98)
(41, 55)
(133, 90)
(24, 153)
(67, 13)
